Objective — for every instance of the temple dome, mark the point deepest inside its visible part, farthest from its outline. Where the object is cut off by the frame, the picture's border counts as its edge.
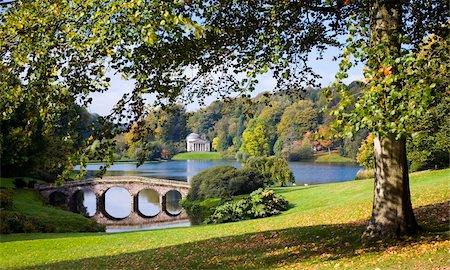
(193, 136)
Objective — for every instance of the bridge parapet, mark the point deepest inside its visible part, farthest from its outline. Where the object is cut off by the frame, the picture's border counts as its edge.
(132, 184)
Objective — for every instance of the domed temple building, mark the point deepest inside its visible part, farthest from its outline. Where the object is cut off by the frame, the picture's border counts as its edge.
(196, 144)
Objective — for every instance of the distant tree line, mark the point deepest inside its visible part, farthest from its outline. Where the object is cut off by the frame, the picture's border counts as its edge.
(280, 124)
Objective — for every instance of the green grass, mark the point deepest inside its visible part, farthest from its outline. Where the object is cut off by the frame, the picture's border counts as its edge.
(321, 231)
(29, 203)
(333, 157)
(197, 156)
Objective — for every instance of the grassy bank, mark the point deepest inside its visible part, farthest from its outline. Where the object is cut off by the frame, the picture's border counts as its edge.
(333, 157)
(321, 230)
(197, 156)
(29, 203)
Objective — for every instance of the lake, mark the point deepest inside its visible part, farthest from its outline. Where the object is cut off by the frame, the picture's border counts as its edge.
(182, 170)
(117, 199)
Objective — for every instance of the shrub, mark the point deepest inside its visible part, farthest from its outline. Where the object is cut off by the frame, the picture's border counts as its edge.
(6, 199)
(273, 169)
(31, 183)
(19, 183)
(15, 222)
(224, 182)
(260, 203)
(364, 174)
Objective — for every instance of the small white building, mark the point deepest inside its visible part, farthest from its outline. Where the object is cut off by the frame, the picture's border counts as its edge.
(196, 144)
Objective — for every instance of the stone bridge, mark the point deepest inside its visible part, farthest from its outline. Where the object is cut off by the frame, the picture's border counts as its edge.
(68, 194)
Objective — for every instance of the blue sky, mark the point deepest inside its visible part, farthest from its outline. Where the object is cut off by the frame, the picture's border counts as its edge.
(327, 68)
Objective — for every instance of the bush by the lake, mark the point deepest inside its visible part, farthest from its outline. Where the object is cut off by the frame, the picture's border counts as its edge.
(273, 169)
(260, 203)
(19, 183)
(224, 182)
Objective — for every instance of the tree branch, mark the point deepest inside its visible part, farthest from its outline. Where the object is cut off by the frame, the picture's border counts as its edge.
(303, 5)
(6, 2)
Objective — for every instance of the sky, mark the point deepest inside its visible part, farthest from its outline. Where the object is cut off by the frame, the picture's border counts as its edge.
(103, 102)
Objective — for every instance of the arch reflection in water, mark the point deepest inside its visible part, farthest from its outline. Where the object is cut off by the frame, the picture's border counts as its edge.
(148, 202)
(173, 198)
(85, 203)
(117, 202)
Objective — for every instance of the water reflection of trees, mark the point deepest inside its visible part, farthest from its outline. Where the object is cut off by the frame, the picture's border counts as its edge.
(148, 202)
(84, 202)
(79, 204)
(173, 198)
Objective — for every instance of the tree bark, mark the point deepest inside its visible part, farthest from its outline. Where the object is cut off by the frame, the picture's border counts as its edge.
(392, 214)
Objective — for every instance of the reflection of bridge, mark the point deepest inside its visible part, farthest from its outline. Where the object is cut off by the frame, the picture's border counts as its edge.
(67, 194)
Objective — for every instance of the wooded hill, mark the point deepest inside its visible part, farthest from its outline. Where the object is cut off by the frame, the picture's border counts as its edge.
(293, 126)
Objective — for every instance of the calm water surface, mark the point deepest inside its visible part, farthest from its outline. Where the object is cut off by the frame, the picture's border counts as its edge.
(118, 200)
(304, 172)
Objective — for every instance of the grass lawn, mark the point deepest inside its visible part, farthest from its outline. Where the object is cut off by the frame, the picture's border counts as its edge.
(333, 157)
(197, 156)
(321, 230)
(29, 203)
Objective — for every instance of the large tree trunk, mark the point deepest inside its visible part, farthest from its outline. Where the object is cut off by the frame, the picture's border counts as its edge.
(392, 214)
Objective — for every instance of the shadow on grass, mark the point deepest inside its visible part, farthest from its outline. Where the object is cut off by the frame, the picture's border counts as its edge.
(270, 249)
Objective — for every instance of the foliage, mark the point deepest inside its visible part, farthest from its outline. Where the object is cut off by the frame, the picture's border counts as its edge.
(273, 169)
(299, 150)
(364, 174)
(224, 182)
(296, 120)
(324, 137)
(6, 199)
(350, 146)
(19, 183)
(15, 222)
(400, 88)
(255, 141)
(429, 146)
(29, 150)
(260, 203)
(365, 153)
